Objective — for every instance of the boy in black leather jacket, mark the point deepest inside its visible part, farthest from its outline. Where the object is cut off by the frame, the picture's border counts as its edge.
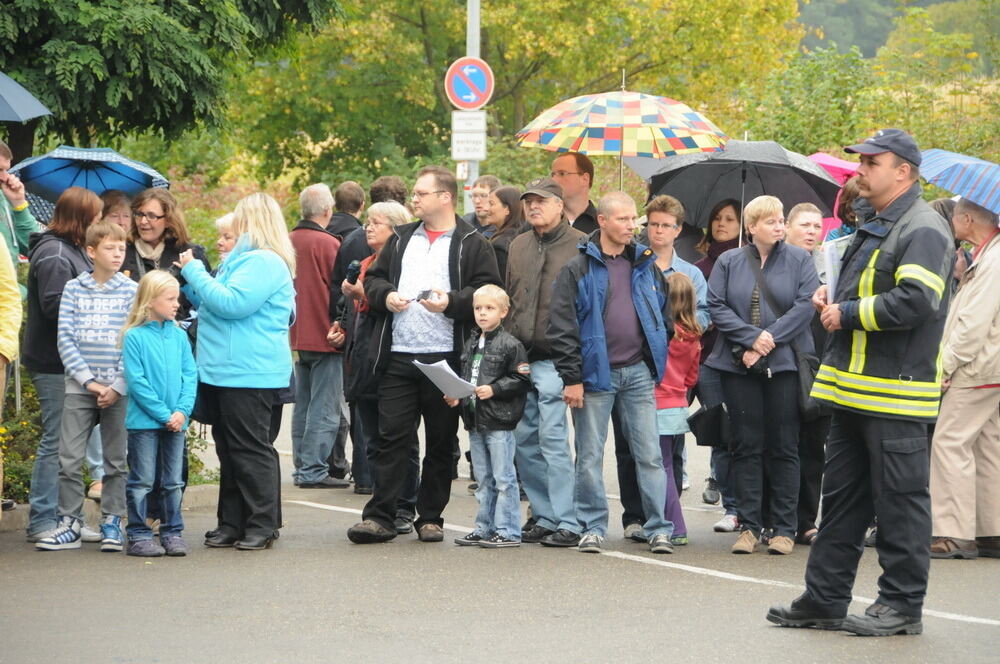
(497, 364)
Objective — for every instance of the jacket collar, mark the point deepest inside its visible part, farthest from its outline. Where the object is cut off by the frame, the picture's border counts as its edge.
(878, 224)
(308, 224)
(492, 333)
(637, 254)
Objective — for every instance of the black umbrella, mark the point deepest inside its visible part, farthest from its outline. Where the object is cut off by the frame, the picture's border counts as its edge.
(743, 170)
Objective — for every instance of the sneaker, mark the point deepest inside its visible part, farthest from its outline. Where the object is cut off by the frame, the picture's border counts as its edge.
(534, 534)
(872, 537)
(727, 524)
(711, 494)
(685, 484)
(780, 545)
(369, 532)
(403, 524)
(591, 543)
(765, 536)
(42, 534)
(94, 491)
(745, 543)
(89, 535)
(174, 545)
(561, 538)
(430, 532)
(472, 488)
(679, 540)
(146, 548)
(66, 536)
(111, 533)
(633, 531)
(472, 539)
(498, 541)
(661, 544)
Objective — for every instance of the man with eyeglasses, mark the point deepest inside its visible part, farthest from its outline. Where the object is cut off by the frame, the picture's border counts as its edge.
(574, 172)
(420, 291)
(544, 462)
(665, 219)
(16, 220)
(480, 195)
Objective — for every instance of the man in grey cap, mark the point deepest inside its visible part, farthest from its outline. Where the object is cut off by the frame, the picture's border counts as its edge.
(543, 458)
(880, 375)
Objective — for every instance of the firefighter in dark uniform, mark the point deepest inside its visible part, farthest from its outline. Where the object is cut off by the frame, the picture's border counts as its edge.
(881, 373)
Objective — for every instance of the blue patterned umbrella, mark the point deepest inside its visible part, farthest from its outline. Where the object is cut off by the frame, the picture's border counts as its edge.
(974, 179)
(97, 169)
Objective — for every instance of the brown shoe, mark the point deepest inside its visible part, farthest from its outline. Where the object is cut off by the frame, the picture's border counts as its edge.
(780, 545)
(745, 543)
(952, 547)
(989, 547)
(430, 532)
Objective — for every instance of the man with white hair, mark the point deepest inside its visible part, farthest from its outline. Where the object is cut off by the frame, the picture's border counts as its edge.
(319, 369)
(965, 456)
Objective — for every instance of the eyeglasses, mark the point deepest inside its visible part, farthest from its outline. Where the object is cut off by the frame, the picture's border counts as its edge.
(479, 197)
(148, 215)
(562, 174)
(420, 194)
(669, 227)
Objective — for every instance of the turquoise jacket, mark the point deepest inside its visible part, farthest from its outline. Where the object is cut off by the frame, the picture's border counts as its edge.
(160, 372)
(243, 317)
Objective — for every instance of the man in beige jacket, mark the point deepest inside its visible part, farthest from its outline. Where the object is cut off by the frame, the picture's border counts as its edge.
(965, 455)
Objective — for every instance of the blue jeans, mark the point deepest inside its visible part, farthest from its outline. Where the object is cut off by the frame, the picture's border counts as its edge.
(631, 396)
(709, 394)
(95, 456)
(319, 381)
(145, 447)
(543, 458)
(44, 496)
(498, 495)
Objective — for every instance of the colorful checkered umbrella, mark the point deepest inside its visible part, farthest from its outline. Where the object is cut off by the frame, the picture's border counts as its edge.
(623, 124)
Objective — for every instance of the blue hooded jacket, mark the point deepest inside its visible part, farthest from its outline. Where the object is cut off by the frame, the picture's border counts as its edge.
(160, 372)
(579, 306)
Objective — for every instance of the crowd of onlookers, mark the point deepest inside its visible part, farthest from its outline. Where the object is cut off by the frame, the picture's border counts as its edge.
(545, 304)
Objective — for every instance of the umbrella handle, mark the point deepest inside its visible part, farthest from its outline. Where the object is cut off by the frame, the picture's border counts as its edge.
(743, 195)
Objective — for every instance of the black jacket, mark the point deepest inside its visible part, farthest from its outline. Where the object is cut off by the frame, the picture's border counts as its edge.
(134, 267)
(471, 264)
(54, 261)
(342, 224)
(353, 248)
(504, 367)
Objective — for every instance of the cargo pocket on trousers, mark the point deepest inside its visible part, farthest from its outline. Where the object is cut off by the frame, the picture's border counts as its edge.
(905, 464)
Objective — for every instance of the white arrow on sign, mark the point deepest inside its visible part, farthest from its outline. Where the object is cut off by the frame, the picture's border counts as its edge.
(469, 69)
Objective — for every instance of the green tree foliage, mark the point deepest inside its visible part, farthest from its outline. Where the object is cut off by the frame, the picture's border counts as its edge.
(847, 23)
(368, 93)
(116, 66)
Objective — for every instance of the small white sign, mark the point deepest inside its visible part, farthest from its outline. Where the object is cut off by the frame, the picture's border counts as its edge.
(469, 146)
(468, 121)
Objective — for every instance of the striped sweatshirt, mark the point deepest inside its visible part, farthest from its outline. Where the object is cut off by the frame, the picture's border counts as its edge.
(91, 316)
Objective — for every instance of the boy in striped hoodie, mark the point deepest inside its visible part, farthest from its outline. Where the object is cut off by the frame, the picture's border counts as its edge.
(92, 312)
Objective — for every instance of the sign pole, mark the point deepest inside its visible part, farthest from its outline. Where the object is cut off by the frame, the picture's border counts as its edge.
(472, 42)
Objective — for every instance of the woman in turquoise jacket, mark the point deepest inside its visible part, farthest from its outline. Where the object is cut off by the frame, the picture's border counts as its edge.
(243, 357)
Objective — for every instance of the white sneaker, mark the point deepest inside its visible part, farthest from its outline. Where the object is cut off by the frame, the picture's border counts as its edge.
(727, 524)
(89, 535)
(633, 531)
(591, 543)
(66, 536)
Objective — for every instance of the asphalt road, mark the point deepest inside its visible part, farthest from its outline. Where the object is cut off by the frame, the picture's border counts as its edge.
(316, 597)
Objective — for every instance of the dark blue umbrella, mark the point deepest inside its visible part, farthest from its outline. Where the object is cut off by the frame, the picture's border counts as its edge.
(97, 169)
(975, 179)
(16, 103)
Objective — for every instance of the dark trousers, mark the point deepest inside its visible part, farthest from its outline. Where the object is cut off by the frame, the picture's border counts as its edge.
(404, 396)
(367, 420)
(249, 477)
(874, 467)
(812, 454)
(765, 412)
(337, 461)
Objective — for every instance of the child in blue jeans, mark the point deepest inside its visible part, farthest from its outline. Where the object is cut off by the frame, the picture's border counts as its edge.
(162, 377)
(497, 364)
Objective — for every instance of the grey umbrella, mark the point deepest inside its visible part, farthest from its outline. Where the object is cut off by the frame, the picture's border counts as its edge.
(16, 103)
(743, 170)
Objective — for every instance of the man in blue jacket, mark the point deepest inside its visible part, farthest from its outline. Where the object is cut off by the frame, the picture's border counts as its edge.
(614, 366)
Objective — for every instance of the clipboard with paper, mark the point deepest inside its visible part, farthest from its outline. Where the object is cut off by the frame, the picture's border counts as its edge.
(445, 379)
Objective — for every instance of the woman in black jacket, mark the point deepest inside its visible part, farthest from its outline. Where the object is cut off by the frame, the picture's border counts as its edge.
(507, 216)
(759, 372)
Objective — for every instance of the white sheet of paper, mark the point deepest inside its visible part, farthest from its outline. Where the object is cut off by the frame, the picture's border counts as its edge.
(441, 374)
(831, 261)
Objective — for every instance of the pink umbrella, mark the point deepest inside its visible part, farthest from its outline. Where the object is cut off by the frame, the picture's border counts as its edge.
(841, 170)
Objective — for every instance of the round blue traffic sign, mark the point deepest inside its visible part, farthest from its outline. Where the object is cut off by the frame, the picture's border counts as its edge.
(469, 83)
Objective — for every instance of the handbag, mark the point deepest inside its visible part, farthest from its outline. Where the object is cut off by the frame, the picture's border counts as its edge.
(711, 426)
(807, 364)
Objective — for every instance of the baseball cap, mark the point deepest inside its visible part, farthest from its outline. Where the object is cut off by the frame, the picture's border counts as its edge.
(895, 141)
(544, 187)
